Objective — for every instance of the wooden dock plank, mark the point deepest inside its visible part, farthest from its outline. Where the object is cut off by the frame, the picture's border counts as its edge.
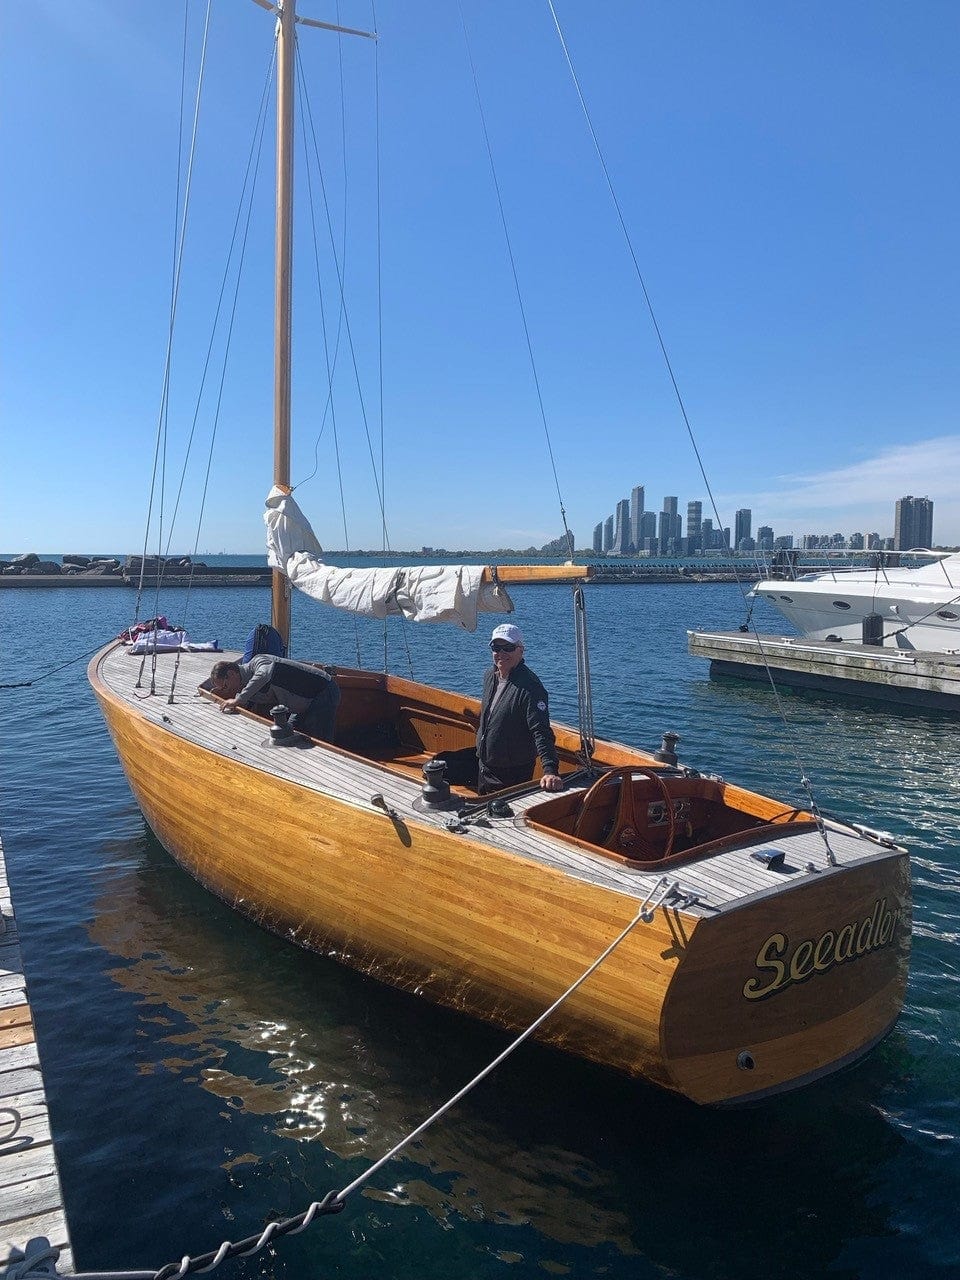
(12, 991)
(25, 1080)
(31, 1200)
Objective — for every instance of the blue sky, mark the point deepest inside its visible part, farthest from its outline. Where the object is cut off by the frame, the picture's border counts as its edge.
(787, 173)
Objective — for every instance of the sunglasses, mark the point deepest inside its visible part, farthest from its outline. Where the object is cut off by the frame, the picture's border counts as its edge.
(501, 646)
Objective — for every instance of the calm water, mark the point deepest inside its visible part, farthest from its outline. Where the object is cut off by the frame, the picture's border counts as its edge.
(203, 1076)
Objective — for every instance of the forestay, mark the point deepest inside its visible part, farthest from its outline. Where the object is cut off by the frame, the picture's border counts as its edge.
(422, 593)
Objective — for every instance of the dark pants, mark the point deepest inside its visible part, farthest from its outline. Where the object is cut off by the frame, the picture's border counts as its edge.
(318, 716)
(464, 769)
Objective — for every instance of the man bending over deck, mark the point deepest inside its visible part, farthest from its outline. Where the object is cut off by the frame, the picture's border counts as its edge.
(514, 725)
(266, 682)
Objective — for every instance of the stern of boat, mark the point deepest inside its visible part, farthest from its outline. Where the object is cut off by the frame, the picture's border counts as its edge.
(790, 985)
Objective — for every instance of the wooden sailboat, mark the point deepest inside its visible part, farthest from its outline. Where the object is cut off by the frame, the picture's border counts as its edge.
(768, 946)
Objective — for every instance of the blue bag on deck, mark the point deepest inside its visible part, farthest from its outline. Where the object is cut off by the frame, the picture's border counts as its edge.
(264, 639)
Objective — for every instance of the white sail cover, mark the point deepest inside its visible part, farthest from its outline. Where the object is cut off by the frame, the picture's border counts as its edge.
(423, 593)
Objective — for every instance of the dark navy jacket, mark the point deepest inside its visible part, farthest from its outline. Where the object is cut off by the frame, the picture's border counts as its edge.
(517, 729)
(268, 680)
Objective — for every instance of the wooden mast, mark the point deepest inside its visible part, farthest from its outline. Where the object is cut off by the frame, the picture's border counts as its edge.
(280, 598)
(283, 302)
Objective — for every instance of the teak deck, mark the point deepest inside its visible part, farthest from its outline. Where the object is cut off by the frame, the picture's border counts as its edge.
(31, 1202)
(725, 879)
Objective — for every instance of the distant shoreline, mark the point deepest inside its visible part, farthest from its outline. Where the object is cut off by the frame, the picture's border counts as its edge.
(262, 578)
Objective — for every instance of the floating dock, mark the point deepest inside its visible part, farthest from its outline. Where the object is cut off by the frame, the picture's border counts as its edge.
(31, 1202)
(896, 677)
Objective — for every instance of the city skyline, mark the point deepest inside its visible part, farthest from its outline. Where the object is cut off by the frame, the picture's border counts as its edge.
(635, 530)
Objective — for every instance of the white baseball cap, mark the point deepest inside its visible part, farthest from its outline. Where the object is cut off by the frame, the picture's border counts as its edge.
(507, 631)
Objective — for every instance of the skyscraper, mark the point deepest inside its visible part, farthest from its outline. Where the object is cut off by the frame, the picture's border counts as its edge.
(598, 537)
(608, 533)
(621, 528)
(648, 527)
(669, 527)
(694, 525)
(913, 524)
(636, 513)
(741, 527)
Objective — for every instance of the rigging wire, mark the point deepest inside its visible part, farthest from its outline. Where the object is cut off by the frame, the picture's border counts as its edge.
(179, 243)
(163, 421)
(160, 448)
(331, 367)
(257, 145)
(27, 684)
(516, 279)
(384, 537)
(165, 381)
(246, 198)
(804, 780)
(331, 364)
(329, 406)
(247, 190)
(636, 265)
(247, 193)
(383, 465)
(308, 115)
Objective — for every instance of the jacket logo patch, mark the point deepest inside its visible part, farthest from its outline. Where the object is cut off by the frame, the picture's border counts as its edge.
(541, 706)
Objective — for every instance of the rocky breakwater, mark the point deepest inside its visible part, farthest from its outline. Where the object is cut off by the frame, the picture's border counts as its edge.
(92, 571)
(173, 571)
(30, 570)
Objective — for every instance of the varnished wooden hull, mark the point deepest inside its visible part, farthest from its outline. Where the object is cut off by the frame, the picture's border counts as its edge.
(500, 936)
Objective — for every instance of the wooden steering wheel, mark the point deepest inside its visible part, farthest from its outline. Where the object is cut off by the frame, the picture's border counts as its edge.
(624, 837)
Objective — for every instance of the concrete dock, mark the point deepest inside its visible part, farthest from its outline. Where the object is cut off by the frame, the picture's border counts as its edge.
(31, 1202)
(895, 677)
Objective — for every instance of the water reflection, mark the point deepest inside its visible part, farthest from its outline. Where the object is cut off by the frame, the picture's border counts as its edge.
(551, 1156)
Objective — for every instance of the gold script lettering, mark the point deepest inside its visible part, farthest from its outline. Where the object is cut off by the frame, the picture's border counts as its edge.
(783, 965)
(801, 965)
(753, 989)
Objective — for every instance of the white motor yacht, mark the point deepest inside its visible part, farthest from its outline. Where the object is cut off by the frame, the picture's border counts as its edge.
(887, 603)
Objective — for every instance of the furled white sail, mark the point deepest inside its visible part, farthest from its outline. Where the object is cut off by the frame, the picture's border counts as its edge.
(423, 593)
